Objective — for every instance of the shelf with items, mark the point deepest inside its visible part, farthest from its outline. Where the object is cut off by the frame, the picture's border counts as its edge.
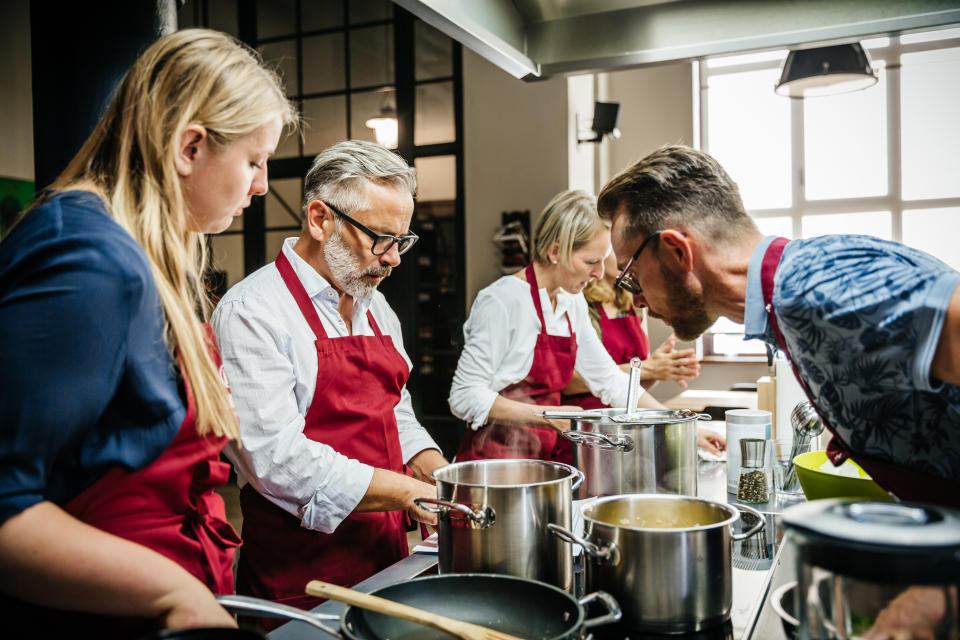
(513, 239)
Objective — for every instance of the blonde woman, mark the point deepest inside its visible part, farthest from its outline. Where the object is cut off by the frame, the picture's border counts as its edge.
(115, 410)
(526, 335)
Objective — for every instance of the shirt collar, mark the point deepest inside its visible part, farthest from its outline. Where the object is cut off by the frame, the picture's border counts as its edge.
(316, 286)
(754, 314)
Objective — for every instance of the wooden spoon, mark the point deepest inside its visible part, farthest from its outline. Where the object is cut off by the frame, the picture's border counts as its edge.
(456, 628)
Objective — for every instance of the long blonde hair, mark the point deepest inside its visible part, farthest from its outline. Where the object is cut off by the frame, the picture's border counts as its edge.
(194, 76)
(602, 291)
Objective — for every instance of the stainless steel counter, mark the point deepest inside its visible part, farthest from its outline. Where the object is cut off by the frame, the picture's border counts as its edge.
(753, 560)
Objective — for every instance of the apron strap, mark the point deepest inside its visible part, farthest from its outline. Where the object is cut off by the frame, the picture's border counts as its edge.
(535, 294)
(373, 324)
(300, 295)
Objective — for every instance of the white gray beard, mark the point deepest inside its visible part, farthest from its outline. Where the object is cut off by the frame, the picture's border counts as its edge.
(345, 268)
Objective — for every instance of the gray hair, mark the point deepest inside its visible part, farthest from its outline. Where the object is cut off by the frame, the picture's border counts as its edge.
(569, 219)
(677, 186)
(339, 174)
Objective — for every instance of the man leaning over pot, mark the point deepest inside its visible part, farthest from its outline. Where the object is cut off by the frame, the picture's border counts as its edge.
(872, 327)
(318, 373)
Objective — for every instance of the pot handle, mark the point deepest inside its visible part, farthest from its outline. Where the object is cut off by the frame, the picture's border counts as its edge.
(579, 481)
(269, 609)
(609, 554)
(687, 413)
(752, 530)
(612, 615)
(482, 518)
(599, 440)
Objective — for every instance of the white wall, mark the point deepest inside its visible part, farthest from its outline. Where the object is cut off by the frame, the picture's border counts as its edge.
(515, 156)
(16, 102)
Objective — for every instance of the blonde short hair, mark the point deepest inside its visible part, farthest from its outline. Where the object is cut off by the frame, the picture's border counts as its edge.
(570, 219)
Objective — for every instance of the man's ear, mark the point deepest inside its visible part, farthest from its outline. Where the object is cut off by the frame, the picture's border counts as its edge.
(319, 220)
(677, 250)
(190, 146)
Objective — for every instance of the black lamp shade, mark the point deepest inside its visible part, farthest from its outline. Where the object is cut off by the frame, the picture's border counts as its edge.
(825, 71)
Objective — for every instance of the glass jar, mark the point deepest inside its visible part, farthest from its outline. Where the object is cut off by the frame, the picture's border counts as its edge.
(753, 481)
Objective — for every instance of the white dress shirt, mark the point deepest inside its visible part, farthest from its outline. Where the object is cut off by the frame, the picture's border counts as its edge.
(271, 360)
(499, 339)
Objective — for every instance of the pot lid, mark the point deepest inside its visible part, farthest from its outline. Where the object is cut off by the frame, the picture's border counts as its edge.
(877, 539)
(656, 416)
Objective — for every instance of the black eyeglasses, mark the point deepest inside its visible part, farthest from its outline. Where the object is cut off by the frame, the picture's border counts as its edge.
(625, 280)
(382, 242)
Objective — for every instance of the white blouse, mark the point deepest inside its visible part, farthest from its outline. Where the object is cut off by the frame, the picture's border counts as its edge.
(499, 339)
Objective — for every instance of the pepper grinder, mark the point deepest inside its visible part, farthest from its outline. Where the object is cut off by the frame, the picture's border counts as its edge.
(752, 483)
(807, 425)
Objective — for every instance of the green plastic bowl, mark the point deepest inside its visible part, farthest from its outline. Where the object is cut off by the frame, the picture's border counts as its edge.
(818, 485)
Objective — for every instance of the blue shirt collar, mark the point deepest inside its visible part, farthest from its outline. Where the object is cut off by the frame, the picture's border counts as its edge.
(754, 313)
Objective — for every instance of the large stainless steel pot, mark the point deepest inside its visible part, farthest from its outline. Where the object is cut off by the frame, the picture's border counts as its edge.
(666, 559)
(646, 451)
(493, 517)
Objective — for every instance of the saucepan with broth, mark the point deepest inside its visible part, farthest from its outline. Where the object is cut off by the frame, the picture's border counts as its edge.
(665, 558)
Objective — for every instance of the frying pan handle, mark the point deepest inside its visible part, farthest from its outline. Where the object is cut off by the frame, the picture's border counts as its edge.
(613, 613)
(481, 516)
(609, 554)
(268, 609)
(599, 440)
(752, 530)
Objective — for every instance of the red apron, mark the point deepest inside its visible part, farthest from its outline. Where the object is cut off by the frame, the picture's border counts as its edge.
(550, 372)
(359, 380)
(624, 339)
(169, 506)
(907, 484)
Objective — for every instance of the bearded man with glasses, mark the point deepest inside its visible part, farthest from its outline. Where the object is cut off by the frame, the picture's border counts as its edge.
(872, 327)
(333, 455)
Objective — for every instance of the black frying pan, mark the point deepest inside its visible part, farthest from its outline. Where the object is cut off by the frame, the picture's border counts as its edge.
(522, 607)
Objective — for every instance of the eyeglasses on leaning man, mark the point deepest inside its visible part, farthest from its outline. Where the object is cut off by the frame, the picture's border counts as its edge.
(382, 242)
(625, 280)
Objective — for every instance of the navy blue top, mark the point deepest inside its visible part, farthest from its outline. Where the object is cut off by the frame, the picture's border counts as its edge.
(86, 380)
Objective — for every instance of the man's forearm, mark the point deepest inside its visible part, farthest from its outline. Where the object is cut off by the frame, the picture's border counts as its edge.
(423, 464)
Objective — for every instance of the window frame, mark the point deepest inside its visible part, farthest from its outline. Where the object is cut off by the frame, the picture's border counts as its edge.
(890, 54)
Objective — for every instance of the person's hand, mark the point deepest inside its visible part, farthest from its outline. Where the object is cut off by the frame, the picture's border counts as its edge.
(664, 363)
(915, 614)
(194, 607)
(711, 441)
(419, 489)
(558, 424)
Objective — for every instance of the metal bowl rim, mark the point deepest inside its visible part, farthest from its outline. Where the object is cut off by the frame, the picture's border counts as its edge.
(647, 497)
(573, 473)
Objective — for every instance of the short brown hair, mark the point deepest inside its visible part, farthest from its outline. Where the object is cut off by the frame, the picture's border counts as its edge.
(677, 186)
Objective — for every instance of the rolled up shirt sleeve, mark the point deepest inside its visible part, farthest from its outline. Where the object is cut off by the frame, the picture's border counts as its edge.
(487, 335)
(308, 479)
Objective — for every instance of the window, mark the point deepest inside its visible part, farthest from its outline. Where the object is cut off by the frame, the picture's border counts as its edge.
(882, 161)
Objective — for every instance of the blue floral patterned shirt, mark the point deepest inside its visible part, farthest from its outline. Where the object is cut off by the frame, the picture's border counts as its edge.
(861, 318)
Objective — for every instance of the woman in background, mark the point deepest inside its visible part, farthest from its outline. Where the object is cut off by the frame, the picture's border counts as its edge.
(621, 330)
(526, 335)
(114, 405)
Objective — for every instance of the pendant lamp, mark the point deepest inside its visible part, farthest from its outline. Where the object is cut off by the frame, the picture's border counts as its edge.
(825, 71)
(385, 127)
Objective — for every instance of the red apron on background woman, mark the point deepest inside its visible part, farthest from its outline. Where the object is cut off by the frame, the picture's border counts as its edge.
(550, 372)
(905, 483)
(169, 506)
(623, 338)
(359, 380)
